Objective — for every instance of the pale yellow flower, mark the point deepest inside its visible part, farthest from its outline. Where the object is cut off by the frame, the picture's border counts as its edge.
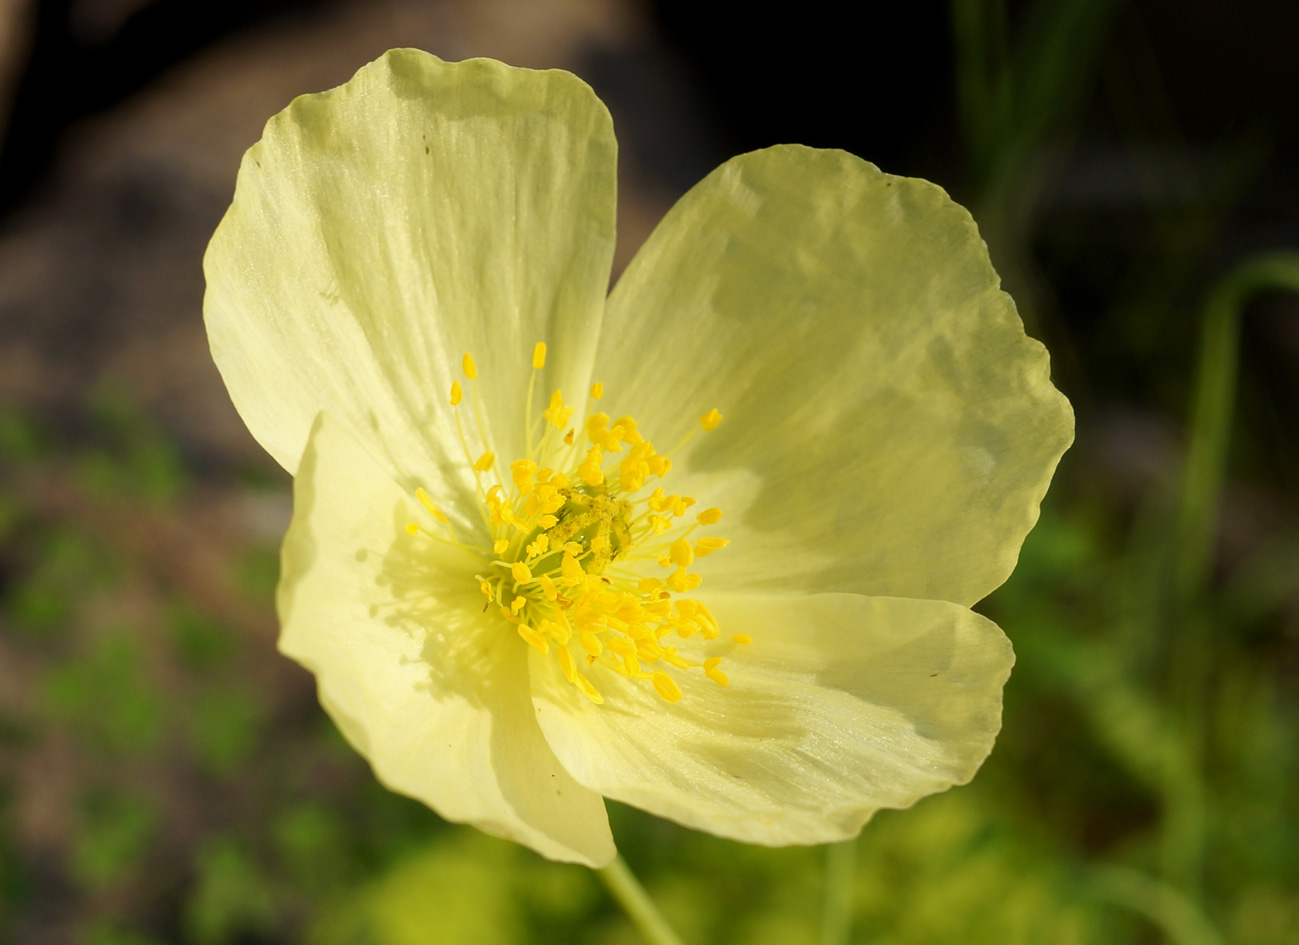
(748, 608)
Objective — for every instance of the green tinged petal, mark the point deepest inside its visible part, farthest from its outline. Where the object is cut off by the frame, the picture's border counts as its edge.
(890, 430)
(382, 229)
(841, 706)
(433, 693)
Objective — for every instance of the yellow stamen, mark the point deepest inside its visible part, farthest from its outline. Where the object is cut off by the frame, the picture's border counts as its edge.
(427, 501)
(590, 468)
(522, 471)
(548, 589)
(742, 638)
(595, 425)
(591, 643)
(571, 572)
(708, 544)
(569, 540)
(557, 413)
(566, 664)
(534, 639)
(666, 687)
(715, 674)
(591, 692)
(681, 553)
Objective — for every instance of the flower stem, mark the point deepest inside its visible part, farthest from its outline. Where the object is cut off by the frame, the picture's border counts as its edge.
(1183, 835)
(836, 907)
(635, 901)
(1213, 405)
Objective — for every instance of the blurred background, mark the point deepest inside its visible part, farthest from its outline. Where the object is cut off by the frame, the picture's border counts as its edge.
(166, 777)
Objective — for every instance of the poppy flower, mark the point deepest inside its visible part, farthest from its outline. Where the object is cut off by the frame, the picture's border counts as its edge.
(706, 544)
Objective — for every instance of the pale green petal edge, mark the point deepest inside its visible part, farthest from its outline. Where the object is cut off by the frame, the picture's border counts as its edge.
(841, 706)
(886, 417)
(382, 229)
(432, 694)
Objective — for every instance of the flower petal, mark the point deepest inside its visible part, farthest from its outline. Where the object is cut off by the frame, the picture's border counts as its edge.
(841, 706)
(885, 414)
(422, 685)
(382, 229)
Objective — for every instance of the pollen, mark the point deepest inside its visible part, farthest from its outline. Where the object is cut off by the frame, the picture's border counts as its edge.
(575, 534)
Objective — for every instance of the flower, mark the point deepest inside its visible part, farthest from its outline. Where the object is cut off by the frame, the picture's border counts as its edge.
(497, 568)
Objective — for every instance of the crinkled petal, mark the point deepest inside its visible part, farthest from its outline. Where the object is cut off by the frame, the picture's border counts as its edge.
(841, 706)
(382, 229)
(885, 415)
(431, 692)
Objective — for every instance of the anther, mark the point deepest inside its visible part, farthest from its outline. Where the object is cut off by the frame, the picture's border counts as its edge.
(681, 553)
(591, 692)
(667, 687)
(427, 501)
(713, 673)
(534, 639)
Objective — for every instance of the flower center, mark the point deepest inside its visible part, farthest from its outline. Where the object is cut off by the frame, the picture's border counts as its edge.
(589, 552)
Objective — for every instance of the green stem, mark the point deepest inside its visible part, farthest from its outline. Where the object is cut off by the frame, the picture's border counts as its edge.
(635, 901)
(1185, 814)
(1166, 906)
(836, 908)
(1215, 400)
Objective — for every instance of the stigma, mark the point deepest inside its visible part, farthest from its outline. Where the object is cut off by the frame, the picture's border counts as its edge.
(588, 554)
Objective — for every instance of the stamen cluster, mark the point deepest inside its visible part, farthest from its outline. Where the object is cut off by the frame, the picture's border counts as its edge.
(571, 543)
